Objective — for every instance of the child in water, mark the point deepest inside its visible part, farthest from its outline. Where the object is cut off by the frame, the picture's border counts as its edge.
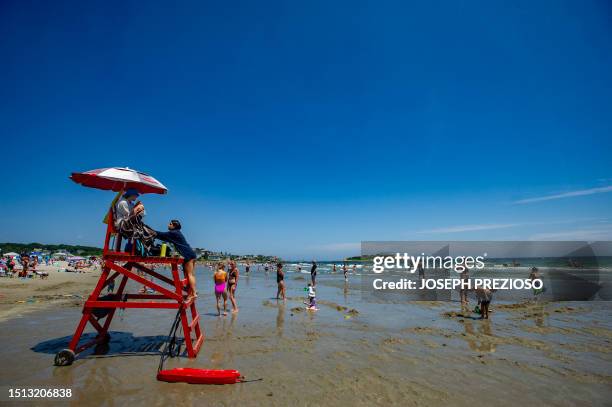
(535, 275)
(312, 302)
(484, 296)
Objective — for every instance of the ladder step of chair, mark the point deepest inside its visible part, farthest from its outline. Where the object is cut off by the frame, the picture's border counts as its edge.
(194, 322)
(198, 344)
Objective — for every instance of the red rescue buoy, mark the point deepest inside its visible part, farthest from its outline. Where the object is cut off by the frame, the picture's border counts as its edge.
(199, 376)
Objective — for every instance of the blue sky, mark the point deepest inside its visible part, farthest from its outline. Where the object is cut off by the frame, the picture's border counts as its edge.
(301, 128)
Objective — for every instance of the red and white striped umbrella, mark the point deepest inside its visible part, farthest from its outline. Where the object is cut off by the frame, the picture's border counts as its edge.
(119, 179)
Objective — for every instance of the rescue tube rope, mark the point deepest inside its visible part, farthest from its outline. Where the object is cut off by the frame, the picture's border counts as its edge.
(171, 350)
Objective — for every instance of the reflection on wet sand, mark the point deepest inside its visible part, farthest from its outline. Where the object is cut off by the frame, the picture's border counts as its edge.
(223, 347)
(482, 340)
(346, 291)
(539, 316)
(97, 378)
(280, 319)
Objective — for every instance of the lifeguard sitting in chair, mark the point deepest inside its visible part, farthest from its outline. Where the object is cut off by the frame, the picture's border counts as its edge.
(128, 223)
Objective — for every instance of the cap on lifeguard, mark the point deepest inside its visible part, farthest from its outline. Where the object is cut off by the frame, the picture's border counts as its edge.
(131, 192)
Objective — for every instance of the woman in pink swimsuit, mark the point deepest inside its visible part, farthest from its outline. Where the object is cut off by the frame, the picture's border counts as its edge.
(220, 278)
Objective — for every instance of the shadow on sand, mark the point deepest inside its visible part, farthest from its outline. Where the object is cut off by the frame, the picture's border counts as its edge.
(121, 344)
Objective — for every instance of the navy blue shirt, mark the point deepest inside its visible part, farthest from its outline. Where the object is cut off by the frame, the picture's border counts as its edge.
(178, 240)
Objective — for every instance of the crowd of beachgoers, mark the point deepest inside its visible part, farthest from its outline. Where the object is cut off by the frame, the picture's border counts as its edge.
(26, 265)
(227, 273)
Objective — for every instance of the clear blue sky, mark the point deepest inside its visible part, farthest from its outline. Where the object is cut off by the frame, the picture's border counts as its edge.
(302, 128)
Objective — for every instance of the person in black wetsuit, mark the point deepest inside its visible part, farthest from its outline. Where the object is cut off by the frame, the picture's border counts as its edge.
(280, 280)
(313, 273)
(421, 271)
(175, 236)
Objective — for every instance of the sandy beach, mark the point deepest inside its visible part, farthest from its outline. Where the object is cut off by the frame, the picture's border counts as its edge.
(60, 289)
(349, 352)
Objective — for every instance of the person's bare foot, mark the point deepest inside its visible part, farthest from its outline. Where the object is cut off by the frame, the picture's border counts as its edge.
(235, 310)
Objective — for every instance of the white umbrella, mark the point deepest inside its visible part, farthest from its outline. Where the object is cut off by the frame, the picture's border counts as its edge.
(119, 179)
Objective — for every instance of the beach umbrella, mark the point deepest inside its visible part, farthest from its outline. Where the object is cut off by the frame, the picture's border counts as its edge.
(119, 179)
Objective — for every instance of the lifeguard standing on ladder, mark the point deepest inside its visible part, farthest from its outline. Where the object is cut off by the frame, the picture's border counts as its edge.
(175, 236)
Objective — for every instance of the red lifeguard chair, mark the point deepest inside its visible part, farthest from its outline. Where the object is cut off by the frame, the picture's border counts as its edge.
(170, 293)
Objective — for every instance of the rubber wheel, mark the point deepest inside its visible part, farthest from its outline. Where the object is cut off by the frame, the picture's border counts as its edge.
(104, 339)
(64, 357)
(101, 349)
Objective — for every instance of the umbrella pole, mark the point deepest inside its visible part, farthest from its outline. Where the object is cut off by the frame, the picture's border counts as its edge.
(113, 203)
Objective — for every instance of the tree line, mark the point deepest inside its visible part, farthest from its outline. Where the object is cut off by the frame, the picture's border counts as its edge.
(52, 248)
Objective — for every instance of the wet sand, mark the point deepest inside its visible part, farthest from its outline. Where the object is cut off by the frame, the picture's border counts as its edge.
(348, 352)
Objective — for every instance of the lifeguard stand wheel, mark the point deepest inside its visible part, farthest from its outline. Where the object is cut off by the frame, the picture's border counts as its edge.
(64, 357)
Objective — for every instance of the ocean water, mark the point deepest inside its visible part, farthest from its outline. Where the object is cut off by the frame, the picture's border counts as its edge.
(492, 265)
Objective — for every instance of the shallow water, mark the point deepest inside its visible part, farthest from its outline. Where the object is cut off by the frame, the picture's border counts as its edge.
(384, 354)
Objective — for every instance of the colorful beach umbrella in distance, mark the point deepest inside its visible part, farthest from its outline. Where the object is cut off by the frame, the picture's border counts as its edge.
(119, 179)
